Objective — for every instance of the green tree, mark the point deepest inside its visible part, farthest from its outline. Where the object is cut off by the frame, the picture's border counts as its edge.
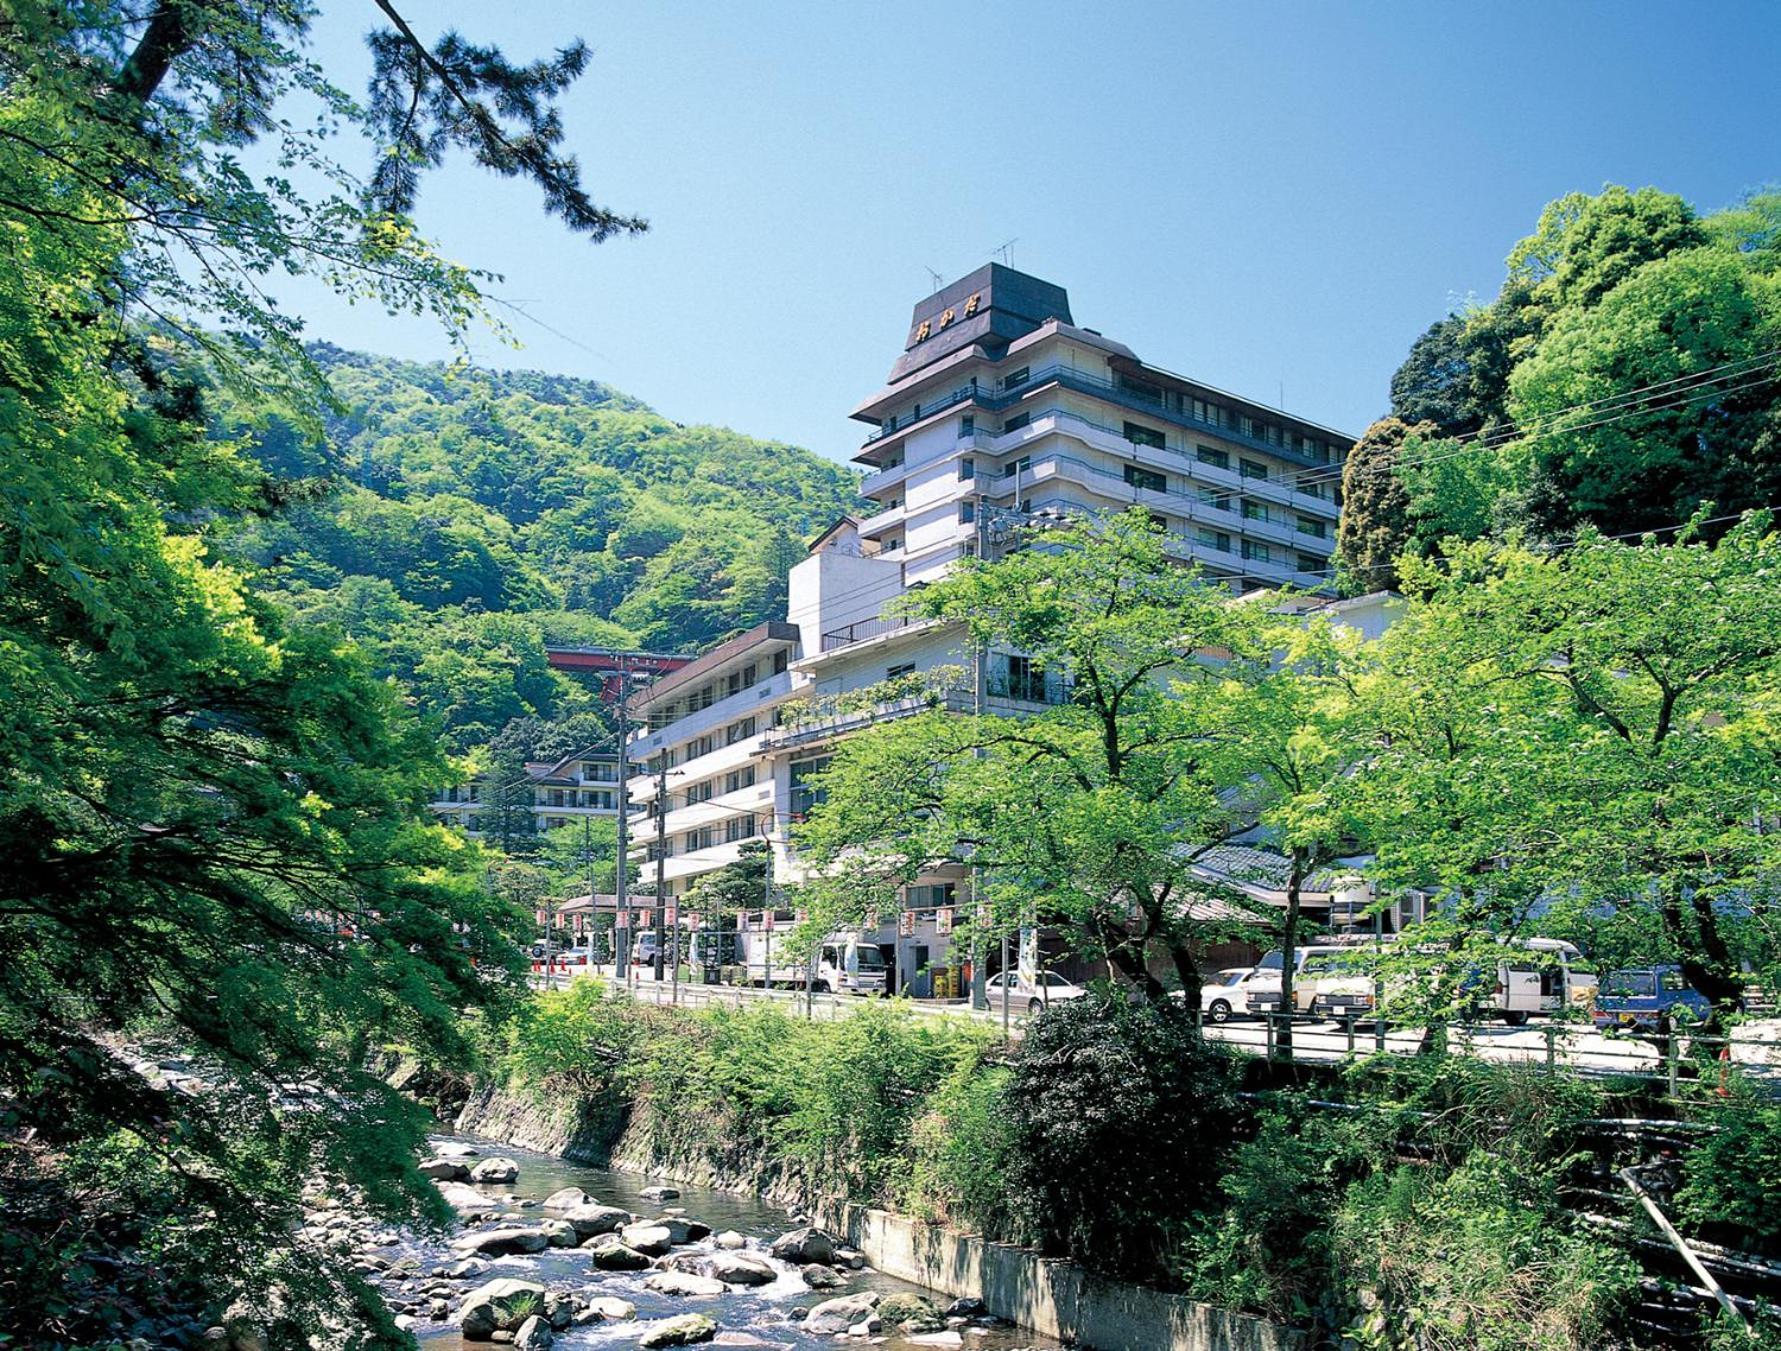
(210, 818)
(1376, 524)
(1589, 728)
(1087, 815)
(1434, 385)
(1709, 435)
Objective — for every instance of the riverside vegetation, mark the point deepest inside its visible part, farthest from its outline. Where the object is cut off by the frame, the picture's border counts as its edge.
(1419, 1204)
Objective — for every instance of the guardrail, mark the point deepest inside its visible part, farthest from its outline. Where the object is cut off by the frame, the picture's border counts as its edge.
(1686, 1064)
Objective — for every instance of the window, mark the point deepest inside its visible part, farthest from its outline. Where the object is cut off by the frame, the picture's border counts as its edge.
(1216, 500)
(967, 512)
(1218, 459)
(1160, 522)
(1311, 487)
(967, 469)
(1213, 539)
(890, 544)
(967, 424)
(930, 897)
(1016, 677)
(780, 660)
(1310, 525)
(738, 779)
(703, 745)
(740, 730)
(1256, 553)
(1147, 479)
(1015, 379)
(700, 792)
(1203, 411)
(1140, 435)
(738, 828)
(803, 795)
(1254, 511)
(1015, 468)
(1016, 422)
(1312, 563)
(702, 838)
(1252, 469)
(906, 668)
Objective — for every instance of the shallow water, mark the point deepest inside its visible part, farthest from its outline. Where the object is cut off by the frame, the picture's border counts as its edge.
(746, 1313)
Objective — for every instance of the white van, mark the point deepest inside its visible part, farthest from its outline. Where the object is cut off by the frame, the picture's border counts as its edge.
(1313, 964)
(846, 963)
(1551, 976)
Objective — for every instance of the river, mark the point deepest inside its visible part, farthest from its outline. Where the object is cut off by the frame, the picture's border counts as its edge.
(760, 1316)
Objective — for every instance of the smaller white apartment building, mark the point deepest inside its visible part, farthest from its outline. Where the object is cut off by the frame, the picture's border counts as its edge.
(562, 792)
(999, 411)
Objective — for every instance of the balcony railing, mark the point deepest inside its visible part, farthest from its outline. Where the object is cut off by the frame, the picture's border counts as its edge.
(843, 724)
(861, 630)
(1069, 377)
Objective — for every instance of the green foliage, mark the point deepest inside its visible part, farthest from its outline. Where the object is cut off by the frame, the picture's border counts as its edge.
(1588, 728)
(1730, 1177)
(1376, 524)
(1087, 814)
(1434, 385)
(1119, 1122)
(467, 519)
(960, 1148)
(1596, 376)
(1477, 1257)
(1423, 1210)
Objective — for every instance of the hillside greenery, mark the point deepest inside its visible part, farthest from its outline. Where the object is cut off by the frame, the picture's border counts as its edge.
(1624, 375)
(456, 521)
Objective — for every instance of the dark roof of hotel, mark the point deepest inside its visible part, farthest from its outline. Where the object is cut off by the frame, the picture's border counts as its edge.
(1009, 305)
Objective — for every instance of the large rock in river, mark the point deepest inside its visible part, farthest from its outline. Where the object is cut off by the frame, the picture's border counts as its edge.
(566, 1197)
(495, 1170)
(499, 1306)
(805, 1245)
(503, 1242)
(684, 1283)
(685, 1330)
(741, 1268)
(460, 1197)
(838, 1315)
(611, 1255)
(445, 1170)
(680, 1229)
(590, 1220)
(654, 1239)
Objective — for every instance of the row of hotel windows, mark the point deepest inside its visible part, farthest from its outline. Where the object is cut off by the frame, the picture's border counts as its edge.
(735, 829)
(1187, 405)
(598, 799)
(733, 782)
(1139, 435)
(707, 695)
(740, 730)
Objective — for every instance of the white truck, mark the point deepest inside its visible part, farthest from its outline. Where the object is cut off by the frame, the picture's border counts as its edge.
(1544, 976)
(846, 963)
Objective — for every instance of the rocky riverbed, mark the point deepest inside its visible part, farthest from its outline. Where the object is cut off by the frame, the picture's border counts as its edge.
(551, 1253)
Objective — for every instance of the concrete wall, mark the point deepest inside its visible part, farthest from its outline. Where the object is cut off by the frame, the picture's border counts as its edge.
(1050, 1295)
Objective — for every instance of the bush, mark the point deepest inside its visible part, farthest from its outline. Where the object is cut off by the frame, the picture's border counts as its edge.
(1268, 1251)
(960, 1146)
(1120, 1120)
(1480, 1258)
(1732, 1178)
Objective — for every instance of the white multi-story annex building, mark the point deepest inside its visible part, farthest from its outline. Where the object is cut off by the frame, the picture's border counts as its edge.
(999, 409)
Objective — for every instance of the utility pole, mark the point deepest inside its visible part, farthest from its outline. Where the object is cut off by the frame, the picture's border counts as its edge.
(621, 915)
(661, 861)
(979, 994)
(767, 918)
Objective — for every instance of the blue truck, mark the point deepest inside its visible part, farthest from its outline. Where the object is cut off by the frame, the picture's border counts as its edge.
(1638, 996)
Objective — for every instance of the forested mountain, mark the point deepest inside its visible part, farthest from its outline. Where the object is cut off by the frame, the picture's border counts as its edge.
(455, 520)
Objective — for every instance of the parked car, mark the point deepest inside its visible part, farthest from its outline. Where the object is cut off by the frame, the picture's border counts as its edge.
(1640, 996)
(1051, 988)
(1313, 965)
(1224, 997)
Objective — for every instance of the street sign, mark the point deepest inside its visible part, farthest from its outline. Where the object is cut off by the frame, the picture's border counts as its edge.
(943, 920)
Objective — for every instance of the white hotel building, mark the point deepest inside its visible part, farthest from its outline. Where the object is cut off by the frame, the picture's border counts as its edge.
(999, 408)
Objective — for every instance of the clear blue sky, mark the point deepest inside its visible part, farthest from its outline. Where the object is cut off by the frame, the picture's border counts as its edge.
(1260, 195)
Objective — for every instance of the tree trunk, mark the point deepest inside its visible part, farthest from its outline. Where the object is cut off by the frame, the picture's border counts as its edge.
(1289, 941)
(165, 38)
(1706, 961)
